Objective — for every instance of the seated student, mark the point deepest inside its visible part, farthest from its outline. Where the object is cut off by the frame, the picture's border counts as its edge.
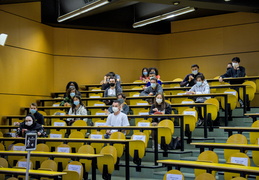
(153, 75)
(160, 107)
(71, 92)
(117, 118)
(154, 70)
(144, 77)
(235, 71)
(106, 80)
(153, 89)
(30, 126)
(112, 90)
(124, 107)
(201, 87)
(77, 108)
(72, 84)
(189, 80)
(39, 118)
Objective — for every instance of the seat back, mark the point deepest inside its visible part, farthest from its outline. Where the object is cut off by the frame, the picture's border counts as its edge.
(119, 147)
(173, 174)
(37, 160)
(141, 136)
(254, 135)
(2, 148)
(206, 156)
(110, 150)
(79, 123)
(97, 146)
(3, 164)
(58, 122)
(234, 139)
(22, 163)
(212, 109)
(48, 165)
(184, 101)
(12, 160)
(72, 169)
(55, 134)
(250, 90)
(62, 162)
(238, 159)
(205, 176)
(86, 149)
(76, 145)
(166, 132)
(190, 119)
(143, 123)
(232, 99)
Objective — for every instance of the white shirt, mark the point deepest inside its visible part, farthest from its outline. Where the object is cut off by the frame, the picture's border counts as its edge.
(80, 111)
(120, 119)
(111, 92)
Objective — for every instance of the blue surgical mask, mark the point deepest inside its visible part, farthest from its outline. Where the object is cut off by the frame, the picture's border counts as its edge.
(72, 94)
(33, 111)
(199, 83)
(76, 103)
(145, 73)
(121, 101)
(153, 85)
(195, 72)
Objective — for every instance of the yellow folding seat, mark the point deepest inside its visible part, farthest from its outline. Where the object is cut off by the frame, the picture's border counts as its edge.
(4, 164)
(234, 139)
(99, 123)
(250, 90)
(143, 123)
(79, 123)
(62, 162)
(12, 160)
(76, 145)
(55, 134)
(58, 122)
(254, 136)
(37, 160)
(205, 176)
(206, 156)
(119, 147)
(87, 164)
(173, 173)
(97, 146)
(184, 101)
(74, 171)
(238, 159)
(232, 99)
(48, 165)
(22, 164)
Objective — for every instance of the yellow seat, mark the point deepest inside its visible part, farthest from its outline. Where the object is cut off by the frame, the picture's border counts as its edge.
(76, 145)
(96, 103)
(4, 164)
(234, 139)
(205, 176)
(94, 95)
(190, 120)
(12, 160)
(55, 134)
(22, 164)
(175, 84)
(99, 123)
(142, 112)
(141, 136)
(165, 134)
(37, 160)
(174, 173)
(212, 110)
(137, 150)
(238, 159)
(62, 162)
(2, 148)
(97, 146)
(57, 122)
(134, 101)
(87, 164)
(184, 101)
(143, 123)
(232, 99)
(48, 165)
(74, 171)
(206, 156)
(79, 123)
(250, 90)
(254, 135)
(119, 147)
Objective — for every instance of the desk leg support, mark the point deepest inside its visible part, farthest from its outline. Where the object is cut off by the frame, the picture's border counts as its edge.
(127, 168)
(205, 123)
(156, 147)
(182, 132)
(245, 99)
(226, 110)
(94, 165)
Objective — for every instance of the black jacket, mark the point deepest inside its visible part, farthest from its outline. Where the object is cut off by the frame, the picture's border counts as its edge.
(39, 118)
(34, 128)
(186, 82)
(235, 73)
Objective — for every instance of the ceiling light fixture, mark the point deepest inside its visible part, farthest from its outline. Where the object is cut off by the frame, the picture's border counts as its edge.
(163, 17)
(84, 9)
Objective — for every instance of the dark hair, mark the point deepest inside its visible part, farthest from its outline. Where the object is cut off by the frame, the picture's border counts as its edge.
(69, 91)
(112, 77)
(74, 106)
(122, 95)
(30, 115)
(153, 78)
(142, 75)
(163, 104)
(68, 84)
(153, 68)
(116, 101)
(236, 59)
(33, 104)
(110, 74)
(200, 76)
(195, 65)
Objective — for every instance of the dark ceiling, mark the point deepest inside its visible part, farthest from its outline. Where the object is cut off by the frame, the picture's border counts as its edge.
(119, 15)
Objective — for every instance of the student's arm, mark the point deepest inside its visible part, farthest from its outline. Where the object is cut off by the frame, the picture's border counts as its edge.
(159, 89)
(40, 119)
(185, 81)
(241, 72)
(69, 113)
(125, 121)
(125, 109)
(151, 111)
(145, 92)
(168, 109)
(108, 123)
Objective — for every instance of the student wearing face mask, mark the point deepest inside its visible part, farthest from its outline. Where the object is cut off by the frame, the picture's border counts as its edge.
(77, 108)
(159, 107)
(72, 84)
(112, 91)
(34, 111)
(105, 82)
(201, 87)
(117, 118)
(154, 70)
(189, 80)
(71, 92)
(124, 107)
(152, 90)
(235, 71)
(30, 126)
(144, 76)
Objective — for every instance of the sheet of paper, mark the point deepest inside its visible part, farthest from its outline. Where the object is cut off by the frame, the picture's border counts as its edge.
(139, 137)
(63, 149)
(173, 177)
(239, 160)
(76, 168)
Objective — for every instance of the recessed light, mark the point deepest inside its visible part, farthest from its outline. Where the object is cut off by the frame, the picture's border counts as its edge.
(227, 0)
(176, 3)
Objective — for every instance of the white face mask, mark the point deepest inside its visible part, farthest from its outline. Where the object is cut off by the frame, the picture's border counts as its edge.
(195, 72)
(115, 109)
(28, 123)
(199, 83)
(234, 64)
(153, 85)
(159, 101)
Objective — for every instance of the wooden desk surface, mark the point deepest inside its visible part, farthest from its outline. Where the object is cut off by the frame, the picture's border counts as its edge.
(212, 166)
(252, 114)
(31, 172)
(228, 145)
(56, 154)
